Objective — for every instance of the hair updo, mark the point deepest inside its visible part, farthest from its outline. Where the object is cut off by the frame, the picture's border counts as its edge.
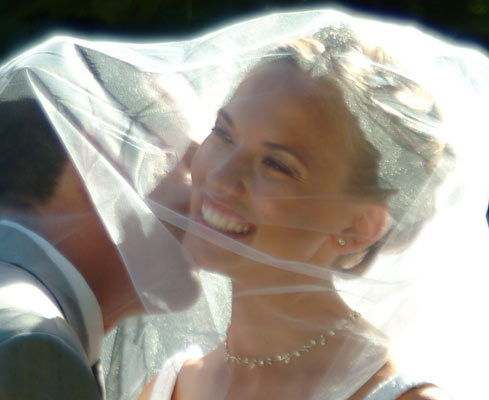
(397, 158)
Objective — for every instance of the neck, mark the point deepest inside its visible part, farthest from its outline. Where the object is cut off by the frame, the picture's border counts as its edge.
(98, 261)
(111, 285)
(115, 304)
(271, 324)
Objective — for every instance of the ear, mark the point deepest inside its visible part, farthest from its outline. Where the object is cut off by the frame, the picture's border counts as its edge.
(370, 222)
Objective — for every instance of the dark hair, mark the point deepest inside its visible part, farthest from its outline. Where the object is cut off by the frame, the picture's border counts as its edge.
(31, 155)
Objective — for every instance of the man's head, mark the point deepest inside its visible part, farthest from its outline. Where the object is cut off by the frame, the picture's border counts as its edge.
(31, 156)
(40, 188)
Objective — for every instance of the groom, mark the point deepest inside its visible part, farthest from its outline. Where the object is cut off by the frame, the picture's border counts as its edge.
(63, 284)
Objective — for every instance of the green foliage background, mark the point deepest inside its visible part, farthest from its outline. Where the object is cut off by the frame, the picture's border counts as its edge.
(23, 22)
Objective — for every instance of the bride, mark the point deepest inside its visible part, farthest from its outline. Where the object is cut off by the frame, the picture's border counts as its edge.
(309, 161)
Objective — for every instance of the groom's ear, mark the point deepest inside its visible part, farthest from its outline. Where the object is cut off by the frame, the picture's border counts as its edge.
(370, 222)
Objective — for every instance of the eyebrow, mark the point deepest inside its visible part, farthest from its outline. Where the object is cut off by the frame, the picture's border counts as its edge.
(271, 145)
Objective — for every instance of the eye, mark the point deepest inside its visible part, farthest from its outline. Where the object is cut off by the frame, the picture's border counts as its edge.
(277, 166)
(222, 134)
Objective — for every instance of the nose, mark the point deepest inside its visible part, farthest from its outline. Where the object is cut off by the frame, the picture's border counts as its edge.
(229, 176)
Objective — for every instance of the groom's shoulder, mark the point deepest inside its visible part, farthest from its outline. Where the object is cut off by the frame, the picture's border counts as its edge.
(40, 365)
(40, 356)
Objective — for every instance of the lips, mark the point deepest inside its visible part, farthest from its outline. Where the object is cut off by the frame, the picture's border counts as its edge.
(223, 220)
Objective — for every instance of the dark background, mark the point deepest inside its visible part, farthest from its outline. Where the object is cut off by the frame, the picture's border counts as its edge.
(23, 23)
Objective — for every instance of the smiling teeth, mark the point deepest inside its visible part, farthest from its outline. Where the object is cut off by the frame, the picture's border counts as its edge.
(222, 222)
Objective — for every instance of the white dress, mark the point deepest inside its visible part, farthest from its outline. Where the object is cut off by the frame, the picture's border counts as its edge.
(391, 389)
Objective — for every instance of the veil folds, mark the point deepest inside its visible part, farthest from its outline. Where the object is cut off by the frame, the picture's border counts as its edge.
(129, 115)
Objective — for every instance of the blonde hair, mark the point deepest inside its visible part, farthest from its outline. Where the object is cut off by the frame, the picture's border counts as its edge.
(332, 58)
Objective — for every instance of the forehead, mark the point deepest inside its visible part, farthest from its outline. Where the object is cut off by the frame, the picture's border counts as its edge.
(286, 104)
(280, 82)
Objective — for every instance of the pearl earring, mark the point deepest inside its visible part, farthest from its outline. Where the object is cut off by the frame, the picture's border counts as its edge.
(341, 241)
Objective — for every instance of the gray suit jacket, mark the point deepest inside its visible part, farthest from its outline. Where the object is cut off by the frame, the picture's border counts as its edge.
(40, 358)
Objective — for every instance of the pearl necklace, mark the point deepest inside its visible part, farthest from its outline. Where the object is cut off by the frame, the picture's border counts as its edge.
(286, 358)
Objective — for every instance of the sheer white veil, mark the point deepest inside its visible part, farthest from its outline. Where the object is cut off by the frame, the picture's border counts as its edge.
(128, 114)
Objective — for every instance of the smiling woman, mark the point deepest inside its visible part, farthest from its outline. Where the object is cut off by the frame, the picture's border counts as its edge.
(280, 173)
(321, 194)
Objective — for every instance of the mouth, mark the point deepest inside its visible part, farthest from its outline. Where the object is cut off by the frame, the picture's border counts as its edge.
(224, 220)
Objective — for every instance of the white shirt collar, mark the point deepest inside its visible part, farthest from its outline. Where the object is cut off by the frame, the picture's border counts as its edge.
(91, 312)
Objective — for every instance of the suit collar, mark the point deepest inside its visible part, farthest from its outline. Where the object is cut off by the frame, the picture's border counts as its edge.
(79, 305)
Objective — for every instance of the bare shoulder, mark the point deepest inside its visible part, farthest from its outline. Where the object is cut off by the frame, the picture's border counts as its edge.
(146, 392)
(198, 378)
(427, 392)
(192, 369)
(187, 376)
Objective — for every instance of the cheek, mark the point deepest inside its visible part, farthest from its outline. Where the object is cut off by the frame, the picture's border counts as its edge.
(288, 243)
(285, 229)
(321, 213)
(294, 224)
(293, 210)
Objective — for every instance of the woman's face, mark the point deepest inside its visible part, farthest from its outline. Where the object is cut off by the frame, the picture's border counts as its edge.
(272, 171)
